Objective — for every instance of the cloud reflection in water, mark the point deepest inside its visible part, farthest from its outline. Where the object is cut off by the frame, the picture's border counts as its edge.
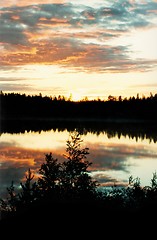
(113, 159)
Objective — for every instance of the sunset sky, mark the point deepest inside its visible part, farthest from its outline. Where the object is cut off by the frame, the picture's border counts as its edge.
(79, 48)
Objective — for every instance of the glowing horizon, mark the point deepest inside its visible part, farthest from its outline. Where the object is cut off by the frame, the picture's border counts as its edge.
(79, 49)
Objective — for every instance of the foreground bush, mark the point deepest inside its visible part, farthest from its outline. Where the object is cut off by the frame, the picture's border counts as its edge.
(68, 189)
(58, 182)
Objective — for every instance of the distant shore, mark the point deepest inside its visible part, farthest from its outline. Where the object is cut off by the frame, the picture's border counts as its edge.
(22, 107)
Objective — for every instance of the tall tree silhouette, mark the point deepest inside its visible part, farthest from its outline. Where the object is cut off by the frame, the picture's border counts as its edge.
(68, 180)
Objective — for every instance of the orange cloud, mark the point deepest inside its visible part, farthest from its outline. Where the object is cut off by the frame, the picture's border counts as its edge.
(9, 3)
(50, 34)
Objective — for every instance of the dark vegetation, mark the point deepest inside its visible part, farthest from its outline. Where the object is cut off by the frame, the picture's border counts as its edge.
(134, 117)
(66, 193)
(19, 106)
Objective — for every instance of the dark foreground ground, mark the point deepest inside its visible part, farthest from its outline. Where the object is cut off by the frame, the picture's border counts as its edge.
(78, 220)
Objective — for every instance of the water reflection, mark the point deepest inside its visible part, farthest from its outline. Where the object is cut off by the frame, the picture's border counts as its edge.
(114, 157)
(133, 130)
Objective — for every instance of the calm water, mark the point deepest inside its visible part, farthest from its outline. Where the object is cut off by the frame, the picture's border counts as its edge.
(114, 157)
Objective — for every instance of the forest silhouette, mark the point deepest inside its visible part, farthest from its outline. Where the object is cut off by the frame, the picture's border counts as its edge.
(22, 106)
(67, 192)
(134, 117)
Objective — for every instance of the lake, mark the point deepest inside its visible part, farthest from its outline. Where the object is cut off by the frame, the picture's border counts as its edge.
(115, 155)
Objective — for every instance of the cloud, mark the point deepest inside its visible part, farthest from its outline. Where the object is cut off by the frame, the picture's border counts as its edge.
(74, 36)
(144, 85)
(114, 156)
(27, 2)
(15, 87)
(107, 181)
(15, 161)
(105, 58)
(12, 79)
(7, 176)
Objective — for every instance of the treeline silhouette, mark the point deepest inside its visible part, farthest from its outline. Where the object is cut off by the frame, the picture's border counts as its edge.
(133, 117)
(67, 192)
(22, 106)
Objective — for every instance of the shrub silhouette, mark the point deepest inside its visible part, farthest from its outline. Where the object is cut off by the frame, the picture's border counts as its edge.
(68, 186)
(68, 181)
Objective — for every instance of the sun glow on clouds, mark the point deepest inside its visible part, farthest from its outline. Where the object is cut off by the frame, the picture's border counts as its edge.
(53, 81)
(28, 2)
(89, 49)
(35, 141)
